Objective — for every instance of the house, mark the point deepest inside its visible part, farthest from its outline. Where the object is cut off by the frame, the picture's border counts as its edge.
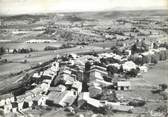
(37, 75)
(107, 103)
(59, 88)
(128, 53)
(14, 107)
(101, 69)
(49, 74)
(28, 102)
(66, 71)
(117, 58)
(147, 56)
(2, 102)
(129, 65)
(20, 100)
(47, 81)
(69, 80)
(63, 99)
(121, 108)
(80, 75)
(163, 53)
(73, 56)
(100, 82)
(6, 99)
(143, 68)
(116, 65)
(25, 101)
(44, 87)
(65, 77)
(7, 108)
(117, 106)
(97, 72)
(55, 66)
(29, 94)
(105, 55)
(123, 85)
(77, 86)
(40, 100)
(85, 98)
(37, 90)
(78, 71)
(137, 58)
(20, 105)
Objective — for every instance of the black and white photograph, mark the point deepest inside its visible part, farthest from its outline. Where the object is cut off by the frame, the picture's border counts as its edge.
(83, 58)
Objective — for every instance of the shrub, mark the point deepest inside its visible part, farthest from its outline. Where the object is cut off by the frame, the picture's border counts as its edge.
(163, 86)
(50, 48)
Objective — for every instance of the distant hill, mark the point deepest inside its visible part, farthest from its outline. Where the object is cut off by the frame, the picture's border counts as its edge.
(79, 16)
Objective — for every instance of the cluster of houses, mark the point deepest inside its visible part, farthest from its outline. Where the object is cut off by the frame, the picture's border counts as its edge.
(65, 88)
(151, 56)
(67, 81)
(34, 97)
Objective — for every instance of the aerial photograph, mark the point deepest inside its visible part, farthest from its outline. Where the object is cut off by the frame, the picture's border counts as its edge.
(83, 58)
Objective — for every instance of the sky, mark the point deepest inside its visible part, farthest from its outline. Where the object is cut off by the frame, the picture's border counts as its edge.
(15, 7)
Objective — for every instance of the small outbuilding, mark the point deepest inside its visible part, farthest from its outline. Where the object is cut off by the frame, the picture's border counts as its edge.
(123, 85)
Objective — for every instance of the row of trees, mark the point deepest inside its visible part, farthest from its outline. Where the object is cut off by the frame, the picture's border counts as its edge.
(23, 50)
(64, 46)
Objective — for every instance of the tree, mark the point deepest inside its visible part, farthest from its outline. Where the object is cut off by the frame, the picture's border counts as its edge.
(133, 49)
(155, 46)
(121, 69)
(103, 61)
(2, 50)
(14, 51)
(112, 70)
(163, 86)
(132, 72)
(116, 50)
(67, 36)
(87, 66)
(108, 79)
(109, 95)
(99, 64)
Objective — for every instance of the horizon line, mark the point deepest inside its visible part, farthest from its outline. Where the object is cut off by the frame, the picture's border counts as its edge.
(68, 12)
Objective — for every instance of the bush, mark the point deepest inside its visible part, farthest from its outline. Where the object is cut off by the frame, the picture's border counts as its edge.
(164, 45)
(163, 86)
(137, 103)
(2, 50)
(164, 95)
(112, 69)
(50, 48)
(106, 110)
(162, 108)
(132, 72)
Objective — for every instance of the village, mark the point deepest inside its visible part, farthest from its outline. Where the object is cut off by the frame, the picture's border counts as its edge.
(96, 64)
(90, 81)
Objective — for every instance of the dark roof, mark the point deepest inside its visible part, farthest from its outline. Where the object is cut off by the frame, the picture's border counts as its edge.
(14, 104)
